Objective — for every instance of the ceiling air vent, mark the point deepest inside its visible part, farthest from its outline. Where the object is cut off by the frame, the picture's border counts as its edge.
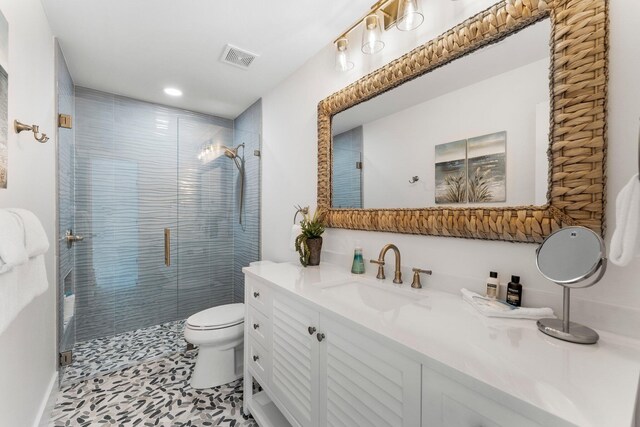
(238, 57)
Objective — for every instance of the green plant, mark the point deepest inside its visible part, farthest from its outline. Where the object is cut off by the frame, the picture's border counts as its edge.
(312, 227)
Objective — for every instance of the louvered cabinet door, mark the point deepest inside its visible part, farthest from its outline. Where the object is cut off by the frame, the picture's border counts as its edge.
(295, 359)
(364, 383)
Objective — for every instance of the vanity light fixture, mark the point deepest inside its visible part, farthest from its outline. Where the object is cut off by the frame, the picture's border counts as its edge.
(405, 15)
(372, 35)
(342, 55)
(171, 91)
(409, 15)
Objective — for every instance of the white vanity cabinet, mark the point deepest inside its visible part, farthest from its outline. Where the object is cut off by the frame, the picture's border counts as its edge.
(322, 373)
(295, 359)
(364, 383)
(331, 356)
(447, 403)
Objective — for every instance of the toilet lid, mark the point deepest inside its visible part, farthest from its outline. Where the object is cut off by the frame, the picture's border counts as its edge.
(218, 317)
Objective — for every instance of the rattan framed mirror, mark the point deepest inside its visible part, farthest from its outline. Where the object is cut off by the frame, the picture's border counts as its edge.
(577, 147)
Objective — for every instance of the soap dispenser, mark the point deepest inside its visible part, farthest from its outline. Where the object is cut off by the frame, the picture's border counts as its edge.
(358, 262)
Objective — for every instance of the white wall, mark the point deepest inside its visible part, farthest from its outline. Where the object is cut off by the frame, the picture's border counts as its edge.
(402, 145)
(28, 346)
(289, 174)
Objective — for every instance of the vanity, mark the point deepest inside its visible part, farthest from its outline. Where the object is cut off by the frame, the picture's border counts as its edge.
(493, 130)
(330, 348)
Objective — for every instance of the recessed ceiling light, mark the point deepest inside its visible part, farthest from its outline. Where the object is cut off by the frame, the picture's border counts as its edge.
(171, 91)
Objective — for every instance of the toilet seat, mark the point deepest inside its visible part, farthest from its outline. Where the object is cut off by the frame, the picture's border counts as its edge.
(220, 317)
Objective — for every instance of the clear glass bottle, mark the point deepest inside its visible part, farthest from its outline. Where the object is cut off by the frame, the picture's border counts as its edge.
(358, 262)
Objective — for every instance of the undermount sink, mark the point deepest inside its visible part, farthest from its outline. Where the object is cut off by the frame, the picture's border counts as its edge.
(371, 294)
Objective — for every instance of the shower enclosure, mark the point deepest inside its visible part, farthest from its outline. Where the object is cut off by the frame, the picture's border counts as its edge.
(157, 205)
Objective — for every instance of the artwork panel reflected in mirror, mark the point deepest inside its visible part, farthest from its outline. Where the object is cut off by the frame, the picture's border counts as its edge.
(474, 132)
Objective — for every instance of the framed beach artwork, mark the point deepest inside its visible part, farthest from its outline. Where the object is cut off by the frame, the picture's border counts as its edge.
(486, 167)
(451, 172)
(4, 101)
(472, 170)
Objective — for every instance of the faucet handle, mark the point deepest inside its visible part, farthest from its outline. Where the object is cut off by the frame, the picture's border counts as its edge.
(380, 263)
(416, 277)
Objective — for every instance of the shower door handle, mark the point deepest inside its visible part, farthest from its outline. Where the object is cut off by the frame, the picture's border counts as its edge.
(167, 247)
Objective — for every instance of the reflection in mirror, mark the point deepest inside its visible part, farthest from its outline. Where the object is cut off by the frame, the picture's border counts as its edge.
(474, 132)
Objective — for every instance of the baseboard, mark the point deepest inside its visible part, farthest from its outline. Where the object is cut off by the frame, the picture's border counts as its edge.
(48, 402)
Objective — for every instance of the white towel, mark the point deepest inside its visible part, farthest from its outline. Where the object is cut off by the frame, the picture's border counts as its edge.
(19, 287)
(493, 308)
(295, 232)
(12, 246)
(625, 242)
(35, 238)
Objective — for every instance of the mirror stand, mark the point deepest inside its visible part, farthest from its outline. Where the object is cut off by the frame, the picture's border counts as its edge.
(566, 330)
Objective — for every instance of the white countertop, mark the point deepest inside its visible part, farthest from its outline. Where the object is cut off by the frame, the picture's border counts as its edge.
(588, 385)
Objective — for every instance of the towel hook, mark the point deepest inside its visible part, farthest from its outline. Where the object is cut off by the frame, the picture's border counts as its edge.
(19, 127)
(414, 179)
(300, 209)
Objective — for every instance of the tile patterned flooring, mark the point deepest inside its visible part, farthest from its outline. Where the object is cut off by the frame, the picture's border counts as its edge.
(154, 393)
(109, 354)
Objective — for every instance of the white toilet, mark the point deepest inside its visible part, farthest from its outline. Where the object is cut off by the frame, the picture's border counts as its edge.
(218, 333)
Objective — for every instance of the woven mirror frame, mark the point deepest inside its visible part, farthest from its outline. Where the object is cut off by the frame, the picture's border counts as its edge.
(577, 149)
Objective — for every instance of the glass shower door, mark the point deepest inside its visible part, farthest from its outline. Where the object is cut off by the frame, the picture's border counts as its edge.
(126, 207)
(205, 214)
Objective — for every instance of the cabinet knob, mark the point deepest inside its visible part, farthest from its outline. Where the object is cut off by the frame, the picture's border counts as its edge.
(256, 325)
(311, 330)
(256, 294)
(320, 336)
(256, 358)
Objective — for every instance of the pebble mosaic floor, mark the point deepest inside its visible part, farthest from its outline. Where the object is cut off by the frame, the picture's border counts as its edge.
(154, 393)
(109, 354)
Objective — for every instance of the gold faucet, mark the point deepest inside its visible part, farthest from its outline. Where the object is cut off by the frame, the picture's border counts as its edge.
(398, 274)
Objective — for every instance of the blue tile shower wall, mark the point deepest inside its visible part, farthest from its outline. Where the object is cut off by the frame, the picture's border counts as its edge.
(246, 248)
(205, 217)
(137, 173)
(347, 179)
(66, 202)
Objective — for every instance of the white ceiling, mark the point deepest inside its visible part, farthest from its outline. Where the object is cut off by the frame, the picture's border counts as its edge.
(137, 47)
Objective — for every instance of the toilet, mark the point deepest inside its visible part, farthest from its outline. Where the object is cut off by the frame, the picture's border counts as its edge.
(218, 333)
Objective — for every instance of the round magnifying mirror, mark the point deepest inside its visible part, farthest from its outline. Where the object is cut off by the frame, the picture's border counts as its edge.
(569, 257)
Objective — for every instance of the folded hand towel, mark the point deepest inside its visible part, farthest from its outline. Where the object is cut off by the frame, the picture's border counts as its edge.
(495, 308)
(12, 246)
(295, 232)
(625, 242)
(35, 238)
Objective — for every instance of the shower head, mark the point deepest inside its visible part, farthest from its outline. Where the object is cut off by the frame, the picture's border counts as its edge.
(231, 153)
